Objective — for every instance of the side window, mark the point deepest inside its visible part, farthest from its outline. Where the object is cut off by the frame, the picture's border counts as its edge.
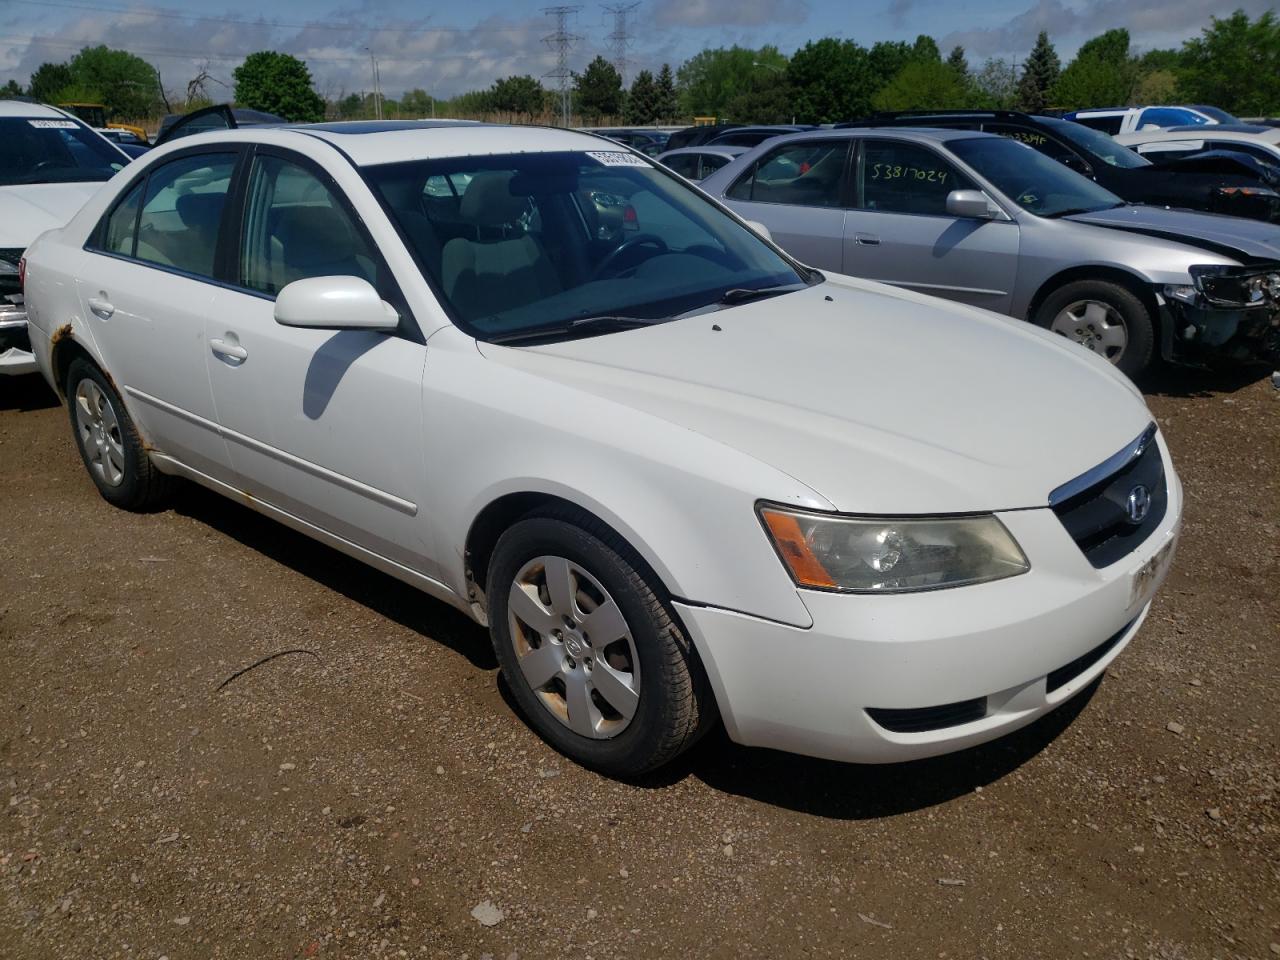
(182, 211)
(902, 177)
(807, 174)
(1107, 124)
(1032, 138)
(1171, 149)
(711, 162)
(294, 228)
(1169, 117)
(685, 164)
(1262, 153)
(120, 230)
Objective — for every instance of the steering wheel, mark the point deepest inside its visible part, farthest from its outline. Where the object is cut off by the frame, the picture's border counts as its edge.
(639, 240)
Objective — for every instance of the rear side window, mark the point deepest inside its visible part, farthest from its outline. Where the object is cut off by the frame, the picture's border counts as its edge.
(121, 229)
(712, 162)
(900, 177)
(182, 212)
(1107, 124)
(806, 174)
(1169, 117)
(295, 228)
(685, 164)
(1032, 138)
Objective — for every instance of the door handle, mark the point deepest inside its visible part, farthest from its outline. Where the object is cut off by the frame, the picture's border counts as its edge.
(866, 239)
(100, 308)
(232, 353)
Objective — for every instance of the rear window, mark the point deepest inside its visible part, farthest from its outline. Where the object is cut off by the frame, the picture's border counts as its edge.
(54, 150)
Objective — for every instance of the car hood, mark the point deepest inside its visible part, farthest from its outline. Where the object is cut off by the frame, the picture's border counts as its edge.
(1234, 236)
(28, 210)
(879, 400)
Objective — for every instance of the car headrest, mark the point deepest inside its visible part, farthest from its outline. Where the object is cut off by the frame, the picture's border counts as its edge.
(488, 202)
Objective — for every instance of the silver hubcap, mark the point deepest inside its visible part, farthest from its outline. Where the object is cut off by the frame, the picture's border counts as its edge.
(574, 647)
(99, 433)
(1095, 325)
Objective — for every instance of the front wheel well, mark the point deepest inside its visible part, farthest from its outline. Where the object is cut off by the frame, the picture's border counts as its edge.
(1131, 282)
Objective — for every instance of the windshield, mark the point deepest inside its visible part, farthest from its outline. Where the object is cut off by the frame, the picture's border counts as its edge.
(1100, 144)
(1220, 115)
(39, 150)
(530, 242)
(1035, 182)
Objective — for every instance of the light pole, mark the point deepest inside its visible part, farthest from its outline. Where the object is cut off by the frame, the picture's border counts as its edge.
(377, 91)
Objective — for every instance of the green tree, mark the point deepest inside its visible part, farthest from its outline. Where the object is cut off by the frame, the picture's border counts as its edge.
(922, 85)
(1039, 74)
(350, 107)
(1157, 86)
(278, 83)
(642, 100)
(1102, 74)
(959, 64)
(709, 80)
(416, 103)
(831, 81)
(11, 89)
(127, 84)
(48, 79)
(598, 90)
(521, 94)
(1235, 64)
(767, 99)
(996, 85)
(668, 99)
(887, 57)
(926, 48)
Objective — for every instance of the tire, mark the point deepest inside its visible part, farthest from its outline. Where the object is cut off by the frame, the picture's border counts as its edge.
(576, 691)
(109, 443)
(1089, 311)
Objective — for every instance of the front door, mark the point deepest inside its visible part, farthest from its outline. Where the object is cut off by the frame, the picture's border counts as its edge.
(324, 424)
(147, 272)
(899, 231)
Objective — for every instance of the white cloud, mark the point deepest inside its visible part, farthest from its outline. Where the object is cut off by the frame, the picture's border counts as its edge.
(728, 13)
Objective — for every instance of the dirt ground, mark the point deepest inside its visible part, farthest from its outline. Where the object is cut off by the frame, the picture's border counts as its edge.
(364, 797)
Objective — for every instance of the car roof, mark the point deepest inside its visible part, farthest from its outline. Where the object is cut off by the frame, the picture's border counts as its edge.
(26, 108)
(372, 142)
(723, 149)
(1222, 131)
(923, 132)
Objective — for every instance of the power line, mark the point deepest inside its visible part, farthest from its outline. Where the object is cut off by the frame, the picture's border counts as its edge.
(620, 39)
(561, 41)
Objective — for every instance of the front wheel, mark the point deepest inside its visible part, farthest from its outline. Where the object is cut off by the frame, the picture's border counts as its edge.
(1104, 317)
(591, 652)
(109, 443)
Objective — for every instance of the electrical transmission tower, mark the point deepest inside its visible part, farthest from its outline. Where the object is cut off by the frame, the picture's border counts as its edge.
(561, 41)
(620, 39)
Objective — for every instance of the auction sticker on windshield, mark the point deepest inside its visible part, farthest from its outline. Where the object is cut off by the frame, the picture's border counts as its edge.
(616, 158)
(53, 124)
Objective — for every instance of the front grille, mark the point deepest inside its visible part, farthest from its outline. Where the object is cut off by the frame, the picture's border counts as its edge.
(922, 719)
(1069, 671)
(1094, 508)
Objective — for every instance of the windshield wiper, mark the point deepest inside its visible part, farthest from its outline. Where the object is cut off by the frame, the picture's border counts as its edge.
(578, 326)
(747, 294)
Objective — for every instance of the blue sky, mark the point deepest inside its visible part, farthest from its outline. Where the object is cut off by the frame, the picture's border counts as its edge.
(446, 49)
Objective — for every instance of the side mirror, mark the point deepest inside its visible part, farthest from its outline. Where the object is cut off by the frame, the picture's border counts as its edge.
(760, 228)
(971, 204)
(334, 303)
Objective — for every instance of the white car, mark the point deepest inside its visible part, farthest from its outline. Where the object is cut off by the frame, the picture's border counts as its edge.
(1172, 144)
(1115, 120)
(50, 164)
(679, 475)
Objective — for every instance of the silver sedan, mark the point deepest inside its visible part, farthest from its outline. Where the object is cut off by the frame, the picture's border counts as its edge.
(989, 221)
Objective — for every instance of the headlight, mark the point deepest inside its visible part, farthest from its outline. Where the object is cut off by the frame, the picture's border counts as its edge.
(891, 555)
(1236, 286)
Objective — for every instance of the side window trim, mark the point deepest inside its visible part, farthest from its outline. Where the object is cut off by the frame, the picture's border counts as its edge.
(389, 286)
(841, 192)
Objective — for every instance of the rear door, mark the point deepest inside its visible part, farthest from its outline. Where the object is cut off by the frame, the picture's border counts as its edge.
(798, 190)
(899, 230)
(146, 285)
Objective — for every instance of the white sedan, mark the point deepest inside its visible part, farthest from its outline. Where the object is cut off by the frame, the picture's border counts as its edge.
(679, 475)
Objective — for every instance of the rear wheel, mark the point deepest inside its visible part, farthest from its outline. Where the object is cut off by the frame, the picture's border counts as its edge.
(1104, 317)
(590, 651)
(109, 443)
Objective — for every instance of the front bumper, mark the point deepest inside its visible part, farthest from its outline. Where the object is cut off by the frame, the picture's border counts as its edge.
(1017, 648)
(1202, 330)
(15, 341)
